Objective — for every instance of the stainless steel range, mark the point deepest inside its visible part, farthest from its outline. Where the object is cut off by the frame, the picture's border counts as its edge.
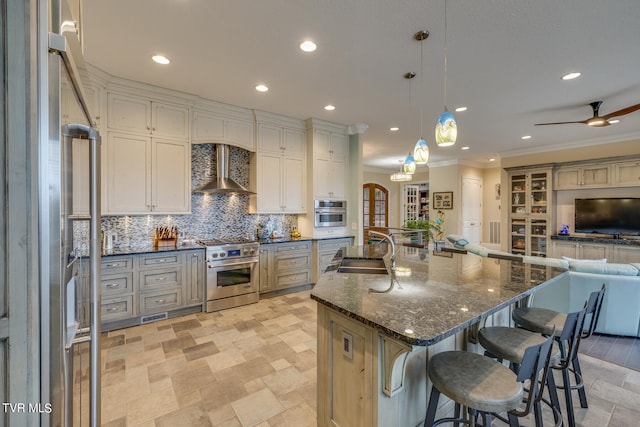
(232, 273)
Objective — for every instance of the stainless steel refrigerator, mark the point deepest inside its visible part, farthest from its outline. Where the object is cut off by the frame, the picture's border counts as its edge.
(70, 165)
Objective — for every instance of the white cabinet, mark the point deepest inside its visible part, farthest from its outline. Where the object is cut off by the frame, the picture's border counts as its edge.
(140, 115)
(330, 154)
(591, 176)
(146, 175)
(212, 127)
(279, 169)
(530, 205)
(581, 250)
(627, 174)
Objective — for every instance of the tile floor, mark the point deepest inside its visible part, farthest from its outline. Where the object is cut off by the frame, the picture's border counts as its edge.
(256, 366)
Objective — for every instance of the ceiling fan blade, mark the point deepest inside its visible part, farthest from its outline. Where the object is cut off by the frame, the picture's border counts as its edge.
(560, 123)
(622, 112)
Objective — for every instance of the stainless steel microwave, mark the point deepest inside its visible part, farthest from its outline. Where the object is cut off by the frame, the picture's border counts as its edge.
(330, 213)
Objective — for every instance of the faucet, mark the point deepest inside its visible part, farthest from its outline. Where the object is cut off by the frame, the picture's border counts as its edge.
(393, 246)
(393, 261)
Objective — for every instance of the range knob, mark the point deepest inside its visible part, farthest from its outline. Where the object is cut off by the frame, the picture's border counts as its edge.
(252, 251)
(222, 254)
(214, 255)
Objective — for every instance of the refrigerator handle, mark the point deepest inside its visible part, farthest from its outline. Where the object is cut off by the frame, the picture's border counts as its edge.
(69, 132)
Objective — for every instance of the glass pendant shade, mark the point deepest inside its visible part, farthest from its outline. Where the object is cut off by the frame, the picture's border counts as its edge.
(446, 129)
(409, 165)
(421, 152)
(400, 176)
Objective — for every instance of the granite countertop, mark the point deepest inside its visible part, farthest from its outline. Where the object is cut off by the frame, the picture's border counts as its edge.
(135, 250)
(620, 241)
(435, 297)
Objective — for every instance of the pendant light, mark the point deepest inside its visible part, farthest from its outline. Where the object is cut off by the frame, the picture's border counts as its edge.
(409, 165)
(421, 150)
(446, 126)
(401, 176)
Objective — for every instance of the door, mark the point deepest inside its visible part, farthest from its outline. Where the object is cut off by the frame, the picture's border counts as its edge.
(472, 209)
(375, 213)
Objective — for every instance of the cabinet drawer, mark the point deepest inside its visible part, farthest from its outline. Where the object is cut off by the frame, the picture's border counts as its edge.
(290, 262)
(160, 279)
(116, 308)
(333, 245)
(160, 301)
(285, 280)
(107, 265)
(168, 258)
(116, 284)
(290, 247)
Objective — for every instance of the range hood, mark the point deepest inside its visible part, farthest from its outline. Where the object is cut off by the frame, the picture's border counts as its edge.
(222, 184)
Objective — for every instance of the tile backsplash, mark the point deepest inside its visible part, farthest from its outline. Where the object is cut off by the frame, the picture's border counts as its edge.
(212, 215)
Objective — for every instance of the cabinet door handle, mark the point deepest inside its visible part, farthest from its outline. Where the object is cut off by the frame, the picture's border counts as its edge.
(113, 285)
(160, 260)
(160, 279)
(112, 265)
(160, 301)
(110, 309)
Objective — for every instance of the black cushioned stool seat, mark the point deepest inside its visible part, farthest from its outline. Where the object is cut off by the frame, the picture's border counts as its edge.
(475, 381)
(485, 386)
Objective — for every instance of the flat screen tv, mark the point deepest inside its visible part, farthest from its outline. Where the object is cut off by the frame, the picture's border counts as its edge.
(616, 216)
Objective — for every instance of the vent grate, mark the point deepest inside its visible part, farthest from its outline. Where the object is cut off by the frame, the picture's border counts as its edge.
(153, 317)
(494, 232)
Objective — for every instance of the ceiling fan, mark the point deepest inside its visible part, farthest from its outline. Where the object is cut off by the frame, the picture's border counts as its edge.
(596, 120)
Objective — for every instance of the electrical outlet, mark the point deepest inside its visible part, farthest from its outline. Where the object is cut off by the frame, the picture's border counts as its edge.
(354, 225)
(347, 345)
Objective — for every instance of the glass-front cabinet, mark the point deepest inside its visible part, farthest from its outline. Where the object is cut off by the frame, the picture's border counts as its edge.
(530, 200)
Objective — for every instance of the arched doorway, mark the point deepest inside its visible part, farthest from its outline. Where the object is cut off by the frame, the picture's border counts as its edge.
(375, 209)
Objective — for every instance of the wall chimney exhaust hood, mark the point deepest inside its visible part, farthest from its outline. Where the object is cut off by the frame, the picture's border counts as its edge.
(222, 184)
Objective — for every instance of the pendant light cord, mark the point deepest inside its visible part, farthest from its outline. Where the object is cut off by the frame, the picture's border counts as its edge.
(445, 55)
(421, 86)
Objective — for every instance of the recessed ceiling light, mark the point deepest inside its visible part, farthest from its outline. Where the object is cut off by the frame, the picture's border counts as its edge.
(571, 76)
(393, 129)
(525, 137)
(614, 121)
(308, 46)
(464, 148)
(262, 88)
(329, 107)
(160, 59)
(461, 109)
(492, 159)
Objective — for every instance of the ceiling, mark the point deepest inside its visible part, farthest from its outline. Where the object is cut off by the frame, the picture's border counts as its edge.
(505, 60)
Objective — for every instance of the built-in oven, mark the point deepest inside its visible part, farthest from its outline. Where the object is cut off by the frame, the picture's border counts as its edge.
(330, 213)
(232, 274)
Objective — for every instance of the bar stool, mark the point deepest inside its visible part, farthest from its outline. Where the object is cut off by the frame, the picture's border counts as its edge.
(541, 320)
(486, 387)
(506, 343)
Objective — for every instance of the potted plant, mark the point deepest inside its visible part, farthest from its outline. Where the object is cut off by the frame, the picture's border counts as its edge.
(428, 230)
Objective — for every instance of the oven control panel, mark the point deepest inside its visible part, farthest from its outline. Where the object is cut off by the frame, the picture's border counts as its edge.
(217, 253)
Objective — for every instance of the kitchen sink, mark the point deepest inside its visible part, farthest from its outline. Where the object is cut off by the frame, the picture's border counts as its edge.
(363, 266)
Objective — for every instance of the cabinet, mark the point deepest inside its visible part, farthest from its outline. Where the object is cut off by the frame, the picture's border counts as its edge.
(279, 170)
(140, 115)
(137, 286)
(324, 251)
(530, 203)
(285, 265)
(329, 148)
(146, 175)
(214, 127)
(70, 110)
(614, 253)
(591, 176)
(627, 174)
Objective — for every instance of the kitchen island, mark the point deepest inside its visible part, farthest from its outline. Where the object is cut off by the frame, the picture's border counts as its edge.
(375, 335)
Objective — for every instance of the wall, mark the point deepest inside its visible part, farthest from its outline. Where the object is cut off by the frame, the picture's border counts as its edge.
(446, 178)
(491, 204)
(212, 215)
